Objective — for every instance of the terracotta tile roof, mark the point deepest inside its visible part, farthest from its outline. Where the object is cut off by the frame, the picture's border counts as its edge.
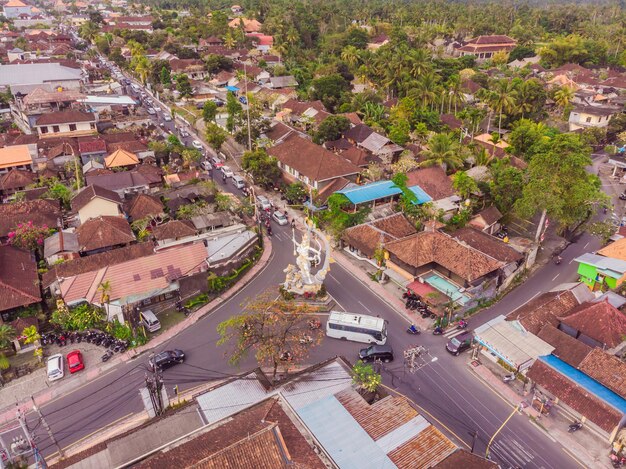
(19, 283)
(601, 321)
(65, 117)
(356, 156)
(131, 146)
(433, 180)
(278, 131)
(91, 145)
(616, 250)
(117, 180)
(490, 245)
(153, 174)
(427, 247)
(287, 447)
(492, 39)
(353, 117)
(451, 121)
(329, 189)
(91, 192)
(16, 179)
(465, 460)
(118, 137)
(15, 155)
(425, 449)
(33, 194)
(20, 324)
(104, 232)
(39, 211)
(358, 133)
(490, 215)
(470, 86)
(310, 160)
(396, 225)
(298, 107)
(174, 229)
(547, 308)
(607, 369)
(120, 158)
(96, 261)
(143, 205)
(576, 397)
(567, 348)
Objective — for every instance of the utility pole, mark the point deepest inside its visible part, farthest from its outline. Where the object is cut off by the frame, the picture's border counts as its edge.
(411, 356)
(47, 428)
(154, 384)
(516, 409)
(245, 81)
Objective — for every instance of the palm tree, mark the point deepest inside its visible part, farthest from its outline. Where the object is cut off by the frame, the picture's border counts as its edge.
(563, 97)
(504, 99)
(455, 92)
(350, 55)
(105, 291)
(7, 334)
(229, 40)
(418, 60)
(426, 90)
(443, 150)
(142, 68)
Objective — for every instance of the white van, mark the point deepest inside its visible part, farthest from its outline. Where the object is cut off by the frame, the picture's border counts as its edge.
(239, 182)
(55, 367)
(149, 320)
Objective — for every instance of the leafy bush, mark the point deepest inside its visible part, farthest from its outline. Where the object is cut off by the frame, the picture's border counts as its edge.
(79, 318)
(119, 330)
(197, 301)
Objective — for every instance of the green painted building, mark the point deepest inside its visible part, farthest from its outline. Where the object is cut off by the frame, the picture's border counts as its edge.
(600, 272)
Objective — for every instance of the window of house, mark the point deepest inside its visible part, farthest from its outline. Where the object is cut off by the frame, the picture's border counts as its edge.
(55, 128)
(588, 119)
(92, 125)
(44, 130)
(72, 127)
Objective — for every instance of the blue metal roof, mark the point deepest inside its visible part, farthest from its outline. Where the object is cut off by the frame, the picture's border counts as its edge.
(422, 197)
(347, 443)
(372, 191)
(234, 89)
(380, 190)
(584, 381)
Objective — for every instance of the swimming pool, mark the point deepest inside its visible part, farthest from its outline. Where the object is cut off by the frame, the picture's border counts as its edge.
(446, 287)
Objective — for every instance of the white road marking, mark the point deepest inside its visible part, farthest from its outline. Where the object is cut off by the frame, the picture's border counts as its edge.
(585, 246)
(554, 278)
(369, 310)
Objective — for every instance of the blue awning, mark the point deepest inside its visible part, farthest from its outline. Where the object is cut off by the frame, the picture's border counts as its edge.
(581, 379)
(234, 89)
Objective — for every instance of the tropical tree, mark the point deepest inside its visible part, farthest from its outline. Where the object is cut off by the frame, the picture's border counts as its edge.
(504, 99)
(29, 236)
(563, 97)
(105, 291)
(142, 68)
(350, 55)
(33, 337)
(209, 111)
(365, 378)
(88, 31)
(464, 184)
(443, 150)
(455, 93)
(215, 135)
(276, 331)
(7, 334)
(263, 168)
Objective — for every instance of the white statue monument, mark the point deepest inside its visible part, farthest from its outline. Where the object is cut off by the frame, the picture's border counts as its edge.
(299, 279)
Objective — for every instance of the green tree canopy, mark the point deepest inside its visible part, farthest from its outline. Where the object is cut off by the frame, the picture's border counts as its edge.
(263, 168)
(330, 129)
(330, 89)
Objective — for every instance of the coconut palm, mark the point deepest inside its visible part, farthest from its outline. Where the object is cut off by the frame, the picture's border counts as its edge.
(229, 40)
(443, 150)
(350, 55)
(419, 62)
(455, 92)
(426, 90)
(563, 97)
(7, 334)
(504, 99)
(105, 291)
(142, 68)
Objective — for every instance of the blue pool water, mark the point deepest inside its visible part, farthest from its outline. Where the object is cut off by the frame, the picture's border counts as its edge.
(445, 287)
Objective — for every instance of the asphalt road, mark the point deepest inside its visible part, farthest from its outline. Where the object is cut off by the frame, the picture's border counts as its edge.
(443, 386)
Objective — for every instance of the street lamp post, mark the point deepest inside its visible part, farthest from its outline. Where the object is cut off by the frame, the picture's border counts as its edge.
(516, 409)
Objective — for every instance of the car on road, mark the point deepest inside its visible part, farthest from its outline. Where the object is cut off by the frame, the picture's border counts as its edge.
(384, 353)
(206, 165)
(184, 133)
(280, 218)
(151, 111)
(218, 102)
(226, 171)
(167, 118)
(197, 145)
(460, 343)
(263, 202)
(166, 359)
(75, 361)
(239, 182)
(216, 162)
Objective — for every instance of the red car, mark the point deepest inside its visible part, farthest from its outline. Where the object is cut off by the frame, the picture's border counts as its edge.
(75, 361)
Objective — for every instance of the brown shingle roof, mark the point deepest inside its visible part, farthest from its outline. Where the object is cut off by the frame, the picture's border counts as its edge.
(39, 211)
(545, 309)
(144, 205)
(396, 225)
(356, 156)
(358, 133)
(491, 215)
(174, 229)
(427, 247)
(576, 397)
(91, 192)
(91, 145)
(493, 39)
(19, 283)
(601, 321)
(568, 349)
(490, 245)
(606, 369)
(96, 261)
(104, 232)
(16, 179)
(466, 460)
(65, 117)
(298, 107)
(310, 160)
(433, 180)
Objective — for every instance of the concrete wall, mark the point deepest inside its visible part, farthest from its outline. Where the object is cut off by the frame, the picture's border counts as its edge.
(98, 207)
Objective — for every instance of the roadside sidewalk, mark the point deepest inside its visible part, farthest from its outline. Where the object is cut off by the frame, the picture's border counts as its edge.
(583, 445)
(55, 391)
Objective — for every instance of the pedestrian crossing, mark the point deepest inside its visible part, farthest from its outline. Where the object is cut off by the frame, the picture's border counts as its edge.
(453, 332)
(511, 452)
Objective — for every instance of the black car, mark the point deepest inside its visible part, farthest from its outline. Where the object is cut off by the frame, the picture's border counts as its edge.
(383, 353)
(166, 359)
(460, 343)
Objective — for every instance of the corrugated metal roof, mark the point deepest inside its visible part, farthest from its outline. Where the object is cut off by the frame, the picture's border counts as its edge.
(226, 246)
(510, 342)
(372, 191)
(402, 434)
(374, 142)
(342, 437)
(422, 196)
(584, 381)
(612, 267)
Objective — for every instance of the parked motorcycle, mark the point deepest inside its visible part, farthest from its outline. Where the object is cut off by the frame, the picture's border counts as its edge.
(315, 324)
(508, 378)
(574, 427)
(413, 330)
(557, 260)
(108, 354)
(306, 339)
(438, 330)
(462, 324)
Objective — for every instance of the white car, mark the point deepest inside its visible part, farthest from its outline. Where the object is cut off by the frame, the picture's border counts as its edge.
(226, 171)
(167, 118)
(280, 218)
(264, 202)
(184, 133)
(197, 145)
(151, 111)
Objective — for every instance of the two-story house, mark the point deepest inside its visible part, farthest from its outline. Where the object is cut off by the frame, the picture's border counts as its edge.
(583, 117)
(68, 123)
(95, 201)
